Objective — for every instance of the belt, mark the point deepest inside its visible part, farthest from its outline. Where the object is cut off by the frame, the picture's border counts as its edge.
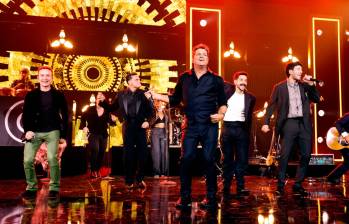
(234, 123)
(296, 118)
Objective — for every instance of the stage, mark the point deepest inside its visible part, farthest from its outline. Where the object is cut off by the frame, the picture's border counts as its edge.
(84, 200)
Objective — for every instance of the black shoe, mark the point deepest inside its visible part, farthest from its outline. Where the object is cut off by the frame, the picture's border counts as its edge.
(242, 192)
(53, 194)
(299, 190)
(183, 203)
(29, 194)
(209, 203)
(280, 191)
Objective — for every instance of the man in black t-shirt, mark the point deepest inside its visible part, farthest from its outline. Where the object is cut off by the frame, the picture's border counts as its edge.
(45, 119)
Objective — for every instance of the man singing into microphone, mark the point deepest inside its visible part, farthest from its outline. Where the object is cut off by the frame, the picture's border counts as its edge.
(291, 100)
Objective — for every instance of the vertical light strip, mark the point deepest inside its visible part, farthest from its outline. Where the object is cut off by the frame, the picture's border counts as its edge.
(219, 35)
(314, 74)
(319, 216)
(339, 72)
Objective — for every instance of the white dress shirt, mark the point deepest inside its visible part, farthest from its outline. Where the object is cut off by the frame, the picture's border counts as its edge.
(236, 108)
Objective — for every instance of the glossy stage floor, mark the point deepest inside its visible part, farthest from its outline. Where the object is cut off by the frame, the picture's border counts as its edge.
(84, 200)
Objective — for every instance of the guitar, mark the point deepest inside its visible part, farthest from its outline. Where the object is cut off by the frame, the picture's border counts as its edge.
(334, 140)
(273, 151)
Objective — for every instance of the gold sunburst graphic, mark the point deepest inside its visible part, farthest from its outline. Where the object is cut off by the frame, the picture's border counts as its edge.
(149, 12)
(86, 73)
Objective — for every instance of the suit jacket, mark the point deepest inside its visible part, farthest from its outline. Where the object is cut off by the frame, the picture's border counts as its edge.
(279, 102)
(342, 124)
(144, 107)
(31, 111)
(250, 101)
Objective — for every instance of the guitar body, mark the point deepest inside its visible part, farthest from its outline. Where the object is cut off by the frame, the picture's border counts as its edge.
(334, 140)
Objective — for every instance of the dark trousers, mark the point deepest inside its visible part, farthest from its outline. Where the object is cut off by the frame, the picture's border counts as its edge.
(159, 151)
(293, 132)
(342, 168)
(96, 147)
(235, 145)
(135, 152)
(207, 135)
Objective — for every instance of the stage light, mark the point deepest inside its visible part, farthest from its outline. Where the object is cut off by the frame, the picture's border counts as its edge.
(92, 100)
(74, 109)
(125, 45)
(319, 32)
(260, 114)
(290, 56)
(347, 32)
(321, 113)
(203, 22)
(325, 217)
(232, 51)
(265, 104)
(84, 108)
(260, 219)
(62, 41)
(320, 139)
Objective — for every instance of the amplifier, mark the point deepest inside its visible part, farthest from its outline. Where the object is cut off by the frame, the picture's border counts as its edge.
(321, 159)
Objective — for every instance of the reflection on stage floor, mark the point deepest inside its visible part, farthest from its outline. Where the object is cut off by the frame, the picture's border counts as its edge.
(84, 200)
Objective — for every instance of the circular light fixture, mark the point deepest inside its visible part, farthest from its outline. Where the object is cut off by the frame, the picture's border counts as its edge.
(321, 113)
(319, 32)
(203, 22)
(320, 140)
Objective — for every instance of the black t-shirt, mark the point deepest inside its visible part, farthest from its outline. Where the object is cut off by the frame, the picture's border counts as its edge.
(46, 110)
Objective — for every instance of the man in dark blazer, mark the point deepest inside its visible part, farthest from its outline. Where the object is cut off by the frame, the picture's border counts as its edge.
(236, 129)
(291, 100)
(45, 119)
(134, 110)
(342, 125)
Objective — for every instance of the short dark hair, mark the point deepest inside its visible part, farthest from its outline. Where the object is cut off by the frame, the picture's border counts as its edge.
(45, 67)
(129, 75)
(25, 70)
(237, 74)
(290, 66)
(201, 46)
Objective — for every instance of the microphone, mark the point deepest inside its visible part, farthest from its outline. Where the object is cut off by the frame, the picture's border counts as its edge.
(315, 80)
(24, 140)
(318, 81)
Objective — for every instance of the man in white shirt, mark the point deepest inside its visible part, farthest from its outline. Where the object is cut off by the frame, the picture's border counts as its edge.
(236, 133)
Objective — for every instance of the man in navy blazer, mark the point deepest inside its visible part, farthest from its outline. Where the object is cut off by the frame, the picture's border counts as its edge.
(291, 100)
(236, 129)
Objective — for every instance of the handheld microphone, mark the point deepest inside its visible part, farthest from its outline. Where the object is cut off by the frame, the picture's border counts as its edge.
(24, 140)
(315, 80)
(318, 81)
